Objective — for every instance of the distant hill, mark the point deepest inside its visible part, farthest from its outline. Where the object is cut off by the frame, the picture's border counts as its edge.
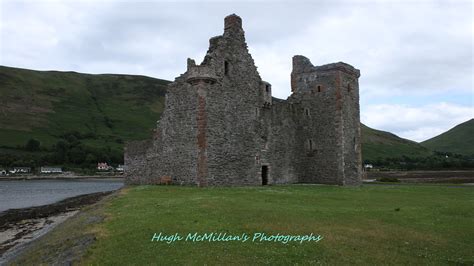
(105, 109)
(381, 144)
(459, 139)
(109, 109)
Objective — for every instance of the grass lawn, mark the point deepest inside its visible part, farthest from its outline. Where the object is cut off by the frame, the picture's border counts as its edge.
(372, 224)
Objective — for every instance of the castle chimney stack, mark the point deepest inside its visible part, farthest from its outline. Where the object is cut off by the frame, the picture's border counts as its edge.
(232, 22)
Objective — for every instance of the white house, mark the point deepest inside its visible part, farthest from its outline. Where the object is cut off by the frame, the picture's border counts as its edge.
(50, 170)
(120, 168)
(103, 166)
(20, 170)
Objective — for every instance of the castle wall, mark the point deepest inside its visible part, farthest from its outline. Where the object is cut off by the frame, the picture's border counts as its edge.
(352, 154)
(231, 134)
(328, 122)
(319, 158)
(178, 126)
(136, 162)
(279, 152)
(221, 125)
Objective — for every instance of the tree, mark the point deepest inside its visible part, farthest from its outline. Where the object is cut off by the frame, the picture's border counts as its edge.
(32, 145)
(77, 155)
(91, 159)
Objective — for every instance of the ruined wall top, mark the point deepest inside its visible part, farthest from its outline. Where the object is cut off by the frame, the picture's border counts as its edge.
(196, 73)
(232, 21)
(233, 27)
(224, 52)
(302, 64)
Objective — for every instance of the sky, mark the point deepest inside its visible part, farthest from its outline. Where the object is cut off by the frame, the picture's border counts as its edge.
(415, 57)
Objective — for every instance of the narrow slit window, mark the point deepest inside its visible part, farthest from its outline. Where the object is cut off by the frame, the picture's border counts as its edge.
(226, 68)
(306, 111)
(319, 88)
(349, 87)
(310, 145)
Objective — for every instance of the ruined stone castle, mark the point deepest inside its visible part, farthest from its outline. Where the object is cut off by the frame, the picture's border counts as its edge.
(221, 125)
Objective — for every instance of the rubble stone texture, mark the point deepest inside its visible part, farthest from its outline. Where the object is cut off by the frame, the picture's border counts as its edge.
(222, 127)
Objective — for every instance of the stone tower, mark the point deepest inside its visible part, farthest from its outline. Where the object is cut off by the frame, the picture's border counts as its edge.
(221, 125)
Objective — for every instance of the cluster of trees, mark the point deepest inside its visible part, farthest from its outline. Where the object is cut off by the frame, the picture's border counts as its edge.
(78, 154)
(437, 161)
(71, 151)
(68, 151)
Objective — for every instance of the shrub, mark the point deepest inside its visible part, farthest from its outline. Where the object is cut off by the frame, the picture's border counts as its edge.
(32, 145)
(388, 179)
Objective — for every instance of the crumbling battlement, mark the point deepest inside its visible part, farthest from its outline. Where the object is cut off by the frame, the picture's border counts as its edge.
(200, 73)
(302, 64)
(221, 126)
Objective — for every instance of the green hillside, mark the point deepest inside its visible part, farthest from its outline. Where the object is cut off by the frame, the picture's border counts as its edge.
(103, 110)
(381, 144)
(459, 139)
(85, 116)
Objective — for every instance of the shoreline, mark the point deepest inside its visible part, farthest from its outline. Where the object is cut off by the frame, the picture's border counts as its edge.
(62, 178)
(20, 227)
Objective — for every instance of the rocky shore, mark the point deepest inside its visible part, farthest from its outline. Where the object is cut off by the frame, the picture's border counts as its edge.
(19, 227)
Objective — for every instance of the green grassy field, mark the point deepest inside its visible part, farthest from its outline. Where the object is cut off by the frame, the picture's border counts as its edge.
(416, 224)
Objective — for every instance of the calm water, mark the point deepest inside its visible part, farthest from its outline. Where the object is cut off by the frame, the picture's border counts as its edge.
(28, 193)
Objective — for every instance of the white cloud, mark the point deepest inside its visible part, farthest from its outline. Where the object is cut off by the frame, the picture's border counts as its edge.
(417, 123)
(413, 49)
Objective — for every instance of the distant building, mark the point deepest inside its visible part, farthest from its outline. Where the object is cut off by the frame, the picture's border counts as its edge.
(368, 166)
(103, 166)
(120, 168)
(51, 170)
(20, 170)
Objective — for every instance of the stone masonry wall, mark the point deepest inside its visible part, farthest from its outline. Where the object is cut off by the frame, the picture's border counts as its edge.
(231, 120)
(221, 125)
(320, 90)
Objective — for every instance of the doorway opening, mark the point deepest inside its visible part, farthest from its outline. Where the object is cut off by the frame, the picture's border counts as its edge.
(264, 175)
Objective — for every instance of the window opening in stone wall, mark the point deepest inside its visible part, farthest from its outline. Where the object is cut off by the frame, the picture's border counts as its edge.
(310, 145)
(264, 175)
(226, 68)
(348, 87)
(306, 111)
(319, 88)
(267, 88)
